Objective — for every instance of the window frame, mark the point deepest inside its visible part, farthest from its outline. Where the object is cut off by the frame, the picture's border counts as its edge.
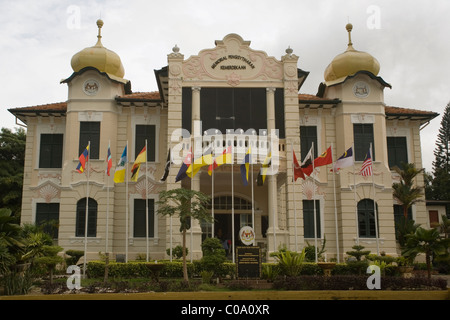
(308, 219)
(363, 140)
(152, 223)
(392, 144)
(48, 149)
(80, 218)
(44, 212)
(366, 218)
(140, 141)
(306, 140)
(91, 135)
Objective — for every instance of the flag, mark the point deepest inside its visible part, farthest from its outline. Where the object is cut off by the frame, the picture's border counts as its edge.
(119, 174)
(224, 158)
(108, 161)
(324, 159)
(346, 160)
(184, 166)
(84, 157)
(142, 157)
(298, 172)
(245, 167)
(204, 160)
(263, 172)
(167, 168)
(307, 166)
(366, 169)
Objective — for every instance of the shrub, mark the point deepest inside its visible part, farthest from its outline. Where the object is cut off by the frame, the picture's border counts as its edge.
(74, 256)
(351, 282)
(213, 255)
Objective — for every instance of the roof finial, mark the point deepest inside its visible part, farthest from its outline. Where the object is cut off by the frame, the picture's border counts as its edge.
(99, 37)
(349, 28)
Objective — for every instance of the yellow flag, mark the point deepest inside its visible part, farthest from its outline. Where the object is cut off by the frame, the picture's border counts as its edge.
(142, 157)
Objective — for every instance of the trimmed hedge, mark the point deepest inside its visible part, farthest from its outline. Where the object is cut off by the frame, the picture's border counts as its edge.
(352, 282)
(174, 269)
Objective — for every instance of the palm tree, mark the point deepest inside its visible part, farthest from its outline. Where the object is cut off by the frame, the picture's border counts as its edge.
(425, 241)
(187, 204)
(405, 191)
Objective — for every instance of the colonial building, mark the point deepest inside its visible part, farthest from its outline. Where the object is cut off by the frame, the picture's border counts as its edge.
(242, 98)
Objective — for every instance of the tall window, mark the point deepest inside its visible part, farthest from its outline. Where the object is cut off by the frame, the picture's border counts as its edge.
(308, 136)
(47, 216)
(139, 230)
(308, 218)
(90, 132)
(363, 136)
(233, 108)
(366, 219)
(51, 150)
(81, 218)
(146, 132)
(397, 151)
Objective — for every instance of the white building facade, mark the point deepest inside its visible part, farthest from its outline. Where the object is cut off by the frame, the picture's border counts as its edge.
(229, 89)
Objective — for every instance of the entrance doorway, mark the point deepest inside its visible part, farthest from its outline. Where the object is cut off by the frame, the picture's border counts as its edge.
(223, 226)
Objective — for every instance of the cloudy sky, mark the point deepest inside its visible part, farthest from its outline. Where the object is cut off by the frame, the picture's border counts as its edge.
(410, 39)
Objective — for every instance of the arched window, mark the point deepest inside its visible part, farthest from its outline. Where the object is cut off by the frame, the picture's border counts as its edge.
(81, 218)
(225, 203)
(366, 218)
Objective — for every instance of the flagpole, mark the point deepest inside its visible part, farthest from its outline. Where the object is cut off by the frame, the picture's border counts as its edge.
(146, 201)
(295, 206)
(107, 204)
(354, 190)
(126, 207)
(232, 203)
(253, 200)
(374, 203)
(314, 204)
(335, 209)
(87, 209)
(212, 190)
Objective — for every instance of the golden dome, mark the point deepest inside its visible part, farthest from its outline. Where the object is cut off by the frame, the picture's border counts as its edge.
(99, 57)
(350, 62)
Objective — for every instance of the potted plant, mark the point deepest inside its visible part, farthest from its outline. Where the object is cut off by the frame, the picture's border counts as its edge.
(405, 266)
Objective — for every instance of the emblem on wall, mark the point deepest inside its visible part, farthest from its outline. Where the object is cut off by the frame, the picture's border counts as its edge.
(361, 89)
(247, 235)
(91, 87)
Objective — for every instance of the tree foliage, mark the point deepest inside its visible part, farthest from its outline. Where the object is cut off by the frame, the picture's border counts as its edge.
(440, 184)
(406, 191)
(12, 159)
(187, 204)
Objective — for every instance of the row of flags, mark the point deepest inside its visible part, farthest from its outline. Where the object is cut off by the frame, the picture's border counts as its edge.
(190, 168)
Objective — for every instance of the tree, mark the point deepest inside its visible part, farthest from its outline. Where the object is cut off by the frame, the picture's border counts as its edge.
(187, 204)
(427, 241)
(405, 191)
(441, 164)
(12, 159)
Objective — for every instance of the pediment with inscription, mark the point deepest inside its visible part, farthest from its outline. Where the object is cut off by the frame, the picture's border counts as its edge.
(232, 61)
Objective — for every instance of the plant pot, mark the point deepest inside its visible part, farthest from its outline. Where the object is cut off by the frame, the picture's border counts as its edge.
(406, 271)
(327, 267)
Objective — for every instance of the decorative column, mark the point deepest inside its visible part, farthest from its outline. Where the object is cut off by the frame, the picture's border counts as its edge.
(272, 195)
(174, 122)
(195, 233)
(294, 204)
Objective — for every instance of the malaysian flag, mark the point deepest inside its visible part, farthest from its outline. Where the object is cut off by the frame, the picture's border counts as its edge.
(366, 169)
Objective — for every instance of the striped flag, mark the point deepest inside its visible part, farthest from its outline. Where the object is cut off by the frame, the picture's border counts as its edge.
(142, 157)
(109, 162)
(84, 157)
(366, 169)
(119, 174)
(245, 167)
